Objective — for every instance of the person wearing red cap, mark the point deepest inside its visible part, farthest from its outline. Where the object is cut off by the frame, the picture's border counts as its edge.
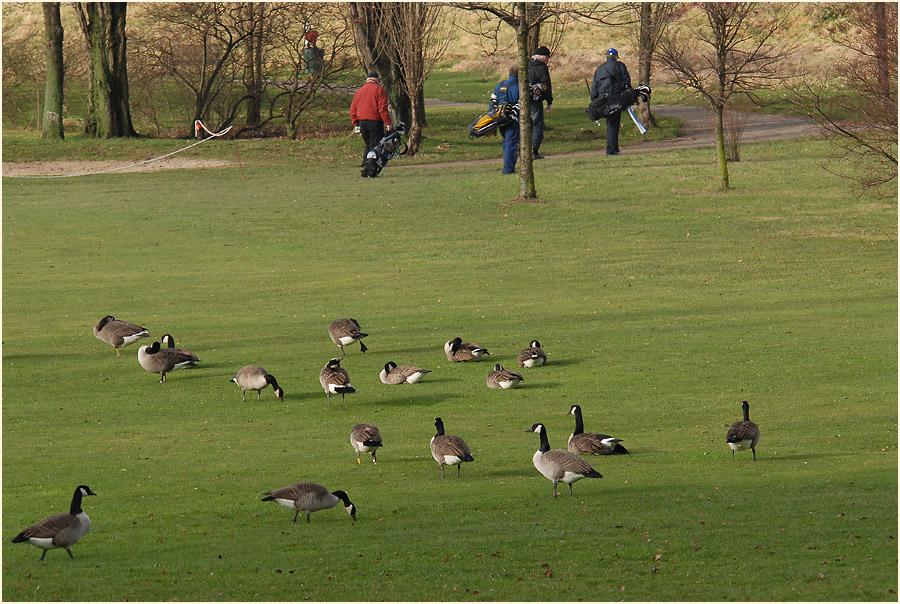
(369, 112)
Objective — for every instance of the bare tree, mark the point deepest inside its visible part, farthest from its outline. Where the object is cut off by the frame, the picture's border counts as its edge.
(103, 26)
(196, 44)
(652, 20)
(414, 31)
(53, 93)
(730, 49)
(300, 87)
(522, 17)
(859, 113)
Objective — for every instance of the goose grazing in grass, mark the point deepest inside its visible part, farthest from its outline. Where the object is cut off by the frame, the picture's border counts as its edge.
(449, 450)
(309, 497)
(458, 352)
(591, 443)
(365, 438)
(254, 377)
(533, 356)
(164, 360)
(118, 333)
(743, 435)
(404, 374)
(346, 331)
(558, 465)
(503, 378)
(60, 530)
(335, 380)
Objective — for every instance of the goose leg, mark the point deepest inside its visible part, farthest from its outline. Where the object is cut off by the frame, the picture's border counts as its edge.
(70, 553)
(257, 396)
(458, 467)
(358, 460)
(342, 399)
(554, 488)
(328, 394)
(442, 470)
(373, 457)
(307, 517)
(754, 453)
(297, 513)
(732, 456)
(570, 489)
(118, 355)
(42, 555)
(243, 400)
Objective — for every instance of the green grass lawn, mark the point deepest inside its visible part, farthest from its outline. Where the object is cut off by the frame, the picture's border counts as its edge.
(662, 304)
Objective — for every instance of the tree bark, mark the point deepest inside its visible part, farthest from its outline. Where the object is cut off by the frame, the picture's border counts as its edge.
(645, 54)
(103, 25)
(526, 159)
(254, 79)
(53, 92)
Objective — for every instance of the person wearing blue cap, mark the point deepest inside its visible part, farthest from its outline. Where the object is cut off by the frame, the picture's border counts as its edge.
(611, 78)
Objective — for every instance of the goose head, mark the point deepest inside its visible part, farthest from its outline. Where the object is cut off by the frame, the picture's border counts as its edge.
(535, 344)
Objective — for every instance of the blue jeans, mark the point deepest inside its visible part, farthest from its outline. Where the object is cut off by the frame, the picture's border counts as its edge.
(510, 136)
(612, 133)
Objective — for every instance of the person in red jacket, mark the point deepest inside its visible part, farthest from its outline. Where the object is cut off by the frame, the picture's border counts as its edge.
(369, 112)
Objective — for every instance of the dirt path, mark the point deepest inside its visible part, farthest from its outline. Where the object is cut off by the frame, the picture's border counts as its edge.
(696, 131)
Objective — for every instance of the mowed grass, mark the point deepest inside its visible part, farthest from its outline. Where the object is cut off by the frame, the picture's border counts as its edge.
(662, 304)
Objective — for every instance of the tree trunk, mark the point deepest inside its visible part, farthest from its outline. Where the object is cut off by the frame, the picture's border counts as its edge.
(534, 32)
(881, 32)
(645, 54)
(526, 159)
(254, 79)
(53, 92)
(103, 24)
(720, 144)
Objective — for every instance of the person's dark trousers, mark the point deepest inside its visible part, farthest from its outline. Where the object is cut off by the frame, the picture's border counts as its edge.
(372, 132)
(510, 136)
(612, 133)
(537, 124)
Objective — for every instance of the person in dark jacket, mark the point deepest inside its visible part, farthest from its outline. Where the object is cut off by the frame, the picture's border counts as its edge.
(539, 81)
(507, 91)
(611, 78)
(369, 112)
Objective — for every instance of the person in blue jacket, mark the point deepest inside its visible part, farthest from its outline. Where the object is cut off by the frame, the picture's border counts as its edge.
(507, 91)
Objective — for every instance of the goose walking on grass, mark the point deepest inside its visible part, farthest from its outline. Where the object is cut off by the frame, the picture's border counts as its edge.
(458, 352)
(404, 374)
(309, 497)
(503, 378)
(591, 443)
(60, 530)
(558, 465)
(254, 377)
(118, 333)
(346, 331)
(335, 380)
(533, 356)
(365, 438)
(165, 360)
(448, 449)
(743, 435)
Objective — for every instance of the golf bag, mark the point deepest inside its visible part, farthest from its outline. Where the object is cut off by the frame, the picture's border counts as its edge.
(387, 149)
(499, 113)
(608, 105)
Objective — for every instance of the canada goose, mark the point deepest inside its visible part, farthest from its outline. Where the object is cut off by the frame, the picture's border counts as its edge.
(335, 380)
(168, 341)
(591, 443)
(346, 331)
(449, 450)
(309, 497)
(253, 377)
(164, 360)
(533, 356)
(365, 438)
(503, 378)
(60, 530)
(118, 333)
(556, 464)
(404, 374)
(458, 352)
(743, 435)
